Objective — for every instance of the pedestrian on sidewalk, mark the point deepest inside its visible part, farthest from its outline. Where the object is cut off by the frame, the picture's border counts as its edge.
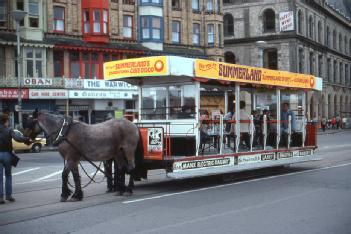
(323, 123)
(338, 122)
(333, 123)
(6, 135)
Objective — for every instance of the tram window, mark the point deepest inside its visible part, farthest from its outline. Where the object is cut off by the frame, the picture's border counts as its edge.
(294, 100)
(154, 103)
(182, 102)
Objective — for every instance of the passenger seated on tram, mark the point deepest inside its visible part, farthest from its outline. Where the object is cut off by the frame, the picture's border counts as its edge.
(186, 112)
(284, 126)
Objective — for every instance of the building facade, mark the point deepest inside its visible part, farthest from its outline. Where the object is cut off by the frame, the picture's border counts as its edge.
(312, 37)
(65, 40)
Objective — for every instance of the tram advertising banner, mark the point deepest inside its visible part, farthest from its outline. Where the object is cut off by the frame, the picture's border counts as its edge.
(149, 66)
(254, 75)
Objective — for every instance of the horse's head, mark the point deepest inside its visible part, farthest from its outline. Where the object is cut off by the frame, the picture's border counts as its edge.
(32, 128)
(47, 122)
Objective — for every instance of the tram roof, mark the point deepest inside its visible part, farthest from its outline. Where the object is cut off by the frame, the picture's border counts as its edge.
(204, 70)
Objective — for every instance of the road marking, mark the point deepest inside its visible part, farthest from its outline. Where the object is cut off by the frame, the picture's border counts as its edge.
(235, 183)
(47, 176)
(334, 146)
(21, 172)
(231, 212)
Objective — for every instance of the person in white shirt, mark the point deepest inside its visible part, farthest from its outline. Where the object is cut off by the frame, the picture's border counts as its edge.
(244, 126)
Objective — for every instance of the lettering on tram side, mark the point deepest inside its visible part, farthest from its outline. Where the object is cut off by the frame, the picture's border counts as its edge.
(305, 152)
(285, 155)
(249, 159)
(267, 157)
(241, 73)
(202, 164)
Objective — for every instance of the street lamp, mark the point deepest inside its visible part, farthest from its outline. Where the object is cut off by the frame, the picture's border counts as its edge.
(261, 45)
(18, 16)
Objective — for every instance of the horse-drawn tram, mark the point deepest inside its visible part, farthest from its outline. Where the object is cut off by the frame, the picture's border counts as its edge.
(199, 117)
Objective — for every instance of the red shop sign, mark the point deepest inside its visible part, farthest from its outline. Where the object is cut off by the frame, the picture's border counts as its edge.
(13, 93)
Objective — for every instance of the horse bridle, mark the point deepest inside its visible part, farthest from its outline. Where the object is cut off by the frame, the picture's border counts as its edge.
(58, 136)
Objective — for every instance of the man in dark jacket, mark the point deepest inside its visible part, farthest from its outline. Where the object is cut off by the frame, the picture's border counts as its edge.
(6, 135)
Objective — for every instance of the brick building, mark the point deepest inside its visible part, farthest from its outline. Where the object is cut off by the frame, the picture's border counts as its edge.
(72, 39)
(301, 36)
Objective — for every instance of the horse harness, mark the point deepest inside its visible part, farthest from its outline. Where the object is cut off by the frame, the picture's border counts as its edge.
(61, 137)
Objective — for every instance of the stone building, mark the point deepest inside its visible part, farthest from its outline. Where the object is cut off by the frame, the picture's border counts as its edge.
(304, 36)
(72, 38)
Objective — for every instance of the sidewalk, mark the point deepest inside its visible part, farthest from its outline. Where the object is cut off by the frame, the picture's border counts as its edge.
(332, 131)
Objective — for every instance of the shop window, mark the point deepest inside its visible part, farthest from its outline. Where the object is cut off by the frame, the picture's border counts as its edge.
(210, 34)
(270, 59)
(34, 62)
(3, 12)
(176, 32)
(269, 21)
(196, 34)
(58, 64)
(33, 14)
(151, 28)
(59, 19)
(228, 22)
(127, 26)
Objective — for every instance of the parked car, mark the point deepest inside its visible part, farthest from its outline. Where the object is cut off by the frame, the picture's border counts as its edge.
(346, 123)
(34, 147)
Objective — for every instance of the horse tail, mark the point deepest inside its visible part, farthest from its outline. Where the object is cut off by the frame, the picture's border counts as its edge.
(140, 170)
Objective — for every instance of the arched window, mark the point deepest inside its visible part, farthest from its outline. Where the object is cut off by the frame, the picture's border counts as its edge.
(228, 23)
(319, 31)
(334, 39)
(299, 22)
(327, 38)
(310, 27)
(229, 57)
(269, 21)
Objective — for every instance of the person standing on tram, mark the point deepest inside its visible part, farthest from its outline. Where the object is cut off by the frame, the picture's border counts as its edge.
(244, 125)
(284, 117)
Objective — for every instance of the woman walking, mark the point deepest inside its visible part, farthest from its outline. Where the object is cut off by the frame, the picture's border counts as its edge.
(6, 135)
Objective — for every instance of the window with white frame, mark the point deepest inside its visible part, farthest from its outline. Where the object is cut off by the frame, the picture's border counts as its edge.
(2, 13)
(151, 28)
(34, 62)
(33, 14)
(218, 6)
(210, 34)
(127, 26)
(175, 31)
(195, 5)
(104, 20)
(151, 1)
(196, 34)
(59, 19)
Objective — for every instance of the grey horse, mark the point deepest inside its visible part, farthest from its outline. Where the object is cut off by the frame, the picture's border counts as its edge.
(115, 138)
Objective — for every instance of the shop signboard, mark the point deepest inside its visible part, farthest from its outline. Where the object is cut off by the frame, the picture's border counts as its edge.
(48, 94)
(13, 93)
(38, 81)
(96, 94)
(108, 85)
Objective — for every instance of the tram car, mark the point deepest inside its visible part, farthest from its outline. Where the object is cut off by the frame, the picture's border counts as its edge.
(199, 117)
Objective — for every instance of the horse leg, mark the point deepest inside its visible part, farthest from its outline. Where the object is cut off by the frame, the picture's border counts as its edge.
(130, 170)
(65, 190)
(121, 187)
(130, 186)
(78, 193)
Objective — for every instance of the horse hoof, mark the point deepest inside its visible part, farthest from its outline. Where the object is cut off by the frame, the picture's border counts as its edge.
(73, 199)
(119, 194)
(128, 194)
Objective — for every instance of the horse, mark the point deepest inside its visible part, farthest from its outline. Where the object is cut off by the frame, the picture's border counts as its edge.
(117, 139)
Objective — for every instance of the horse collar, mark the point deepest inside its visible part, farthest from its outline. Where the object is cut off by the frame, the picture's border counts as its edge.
(63, 131)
